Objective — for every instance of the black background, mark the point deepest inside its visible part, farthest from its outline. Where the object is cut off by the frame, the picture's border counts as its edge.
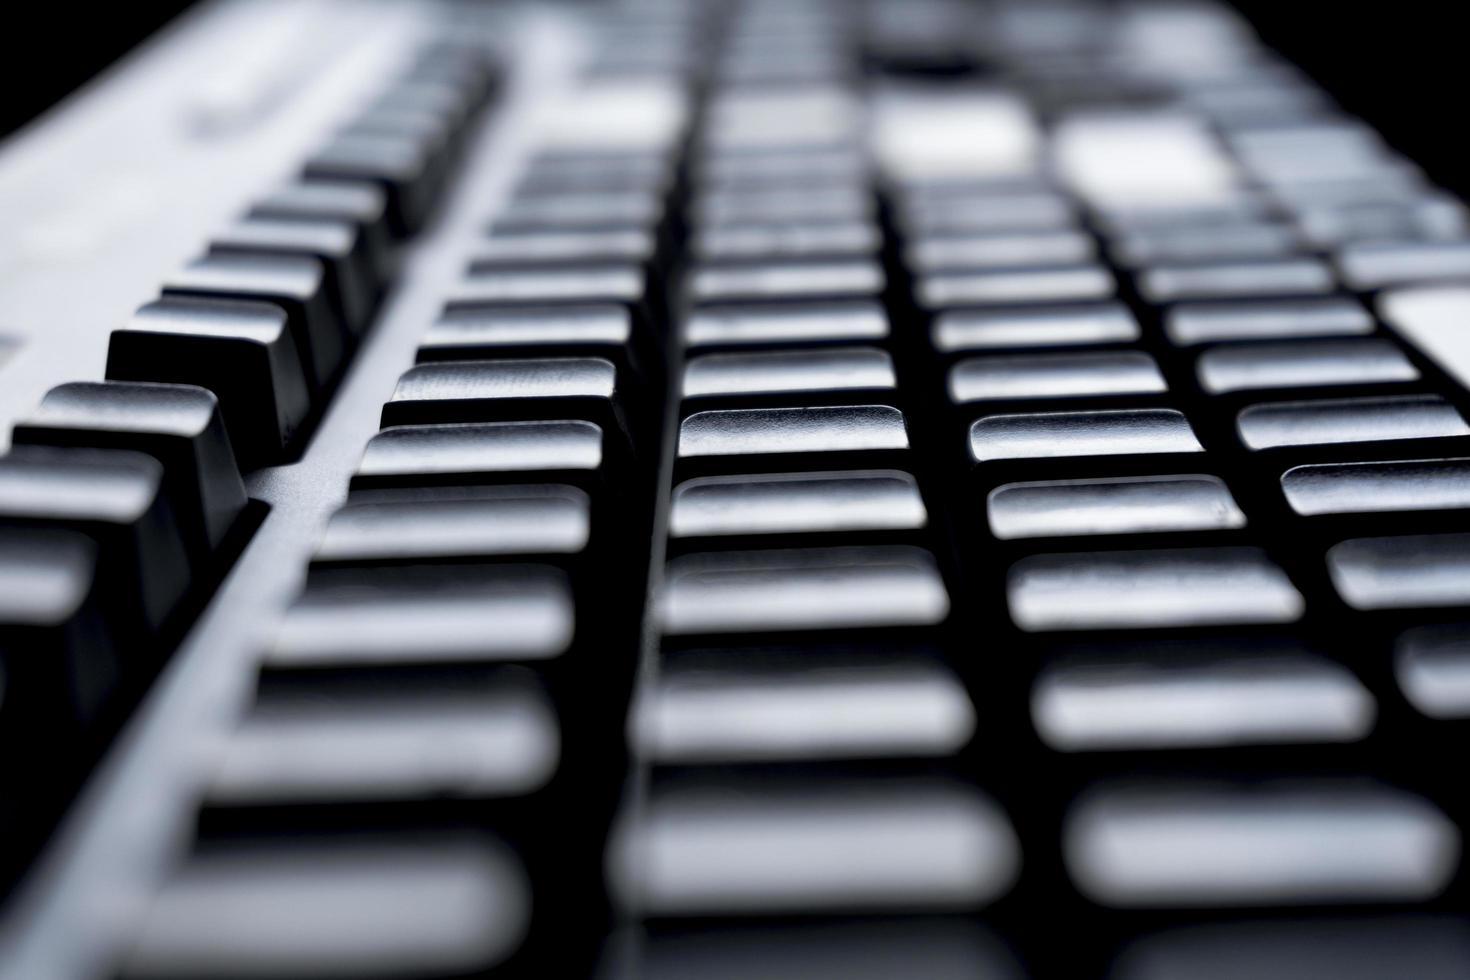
(1398, 65)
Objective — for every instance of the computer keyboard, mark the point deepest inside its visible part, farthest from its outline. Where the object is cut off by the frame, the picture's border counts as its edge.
(781, 489)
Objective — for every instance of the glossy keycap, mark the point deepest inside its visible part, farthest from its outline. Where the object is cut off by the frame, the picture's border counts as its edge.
(616, 283)
(1282, 277)
(814, 323)
(855, 501)
(962, 330)
(179, 425)
(737, 282)
(787, 240)
(1110, 432)
(1004, 378)
(999, 251)
(1432, 665)
(399, 166)
(832, 369)
(943, 290)
(487, 452)
(772, 431)
(531, 248)
(243, 352)
(362, 204)
(1376, 487)
(1202, 323)
(1403, 571)
(1124, 505)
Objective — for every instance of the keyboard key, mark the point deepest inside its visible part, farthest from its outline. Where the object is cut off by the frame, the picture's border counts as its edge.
(827, 370)
(889, 845)
(1144, 589)
(318, 907)
(786, 431)
(1432, 664)
(511, 390)
(1054, 376)
(179, 425)
(450, 614)
(1063, 326)
(598, 211)
(426, 524)
(364, 205)
(941, 290)
(243, 352)
(475, 333)
(730, 282)
(1375, 265)
(787, 240)
(1402, 572)
(487, 452)
(1279, 277)
(541, 248)
(1254, 240)
(401, 167)
(1126, 505)
(1278, 844)
(1203, 323)
(466, 739)
(58, 658)
(294, 283)
(117, 498)
(1349, 420)
(749, 707)
(616, 283)
(843, 588)
(1114, 432)
(774, 204)
(986, 213)
(953, 253)
(351, 280)
(1378, 487)
(878, 500)
(1300, 364)
(1176, 701)
(739, 326)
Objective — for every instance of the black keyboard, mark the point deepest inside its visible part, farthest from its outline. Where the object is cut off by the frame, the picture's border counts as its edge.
(670, 490)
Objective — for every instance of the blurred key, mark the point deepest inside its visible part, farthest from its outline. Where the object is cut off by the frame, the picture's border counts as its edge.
(1112, 432)
(406, 741)
(747, 707)
(600, 211)
(475, 333)
(816, 323)
(737, 282)
(856, 501)
(1278, 844)
(842, 588)
(351, 280)
(399, 166)
(533, 248)
(1432, 665)
(1055, 285)
(1375, 265)
(374, 617)
(1294, 364)
(1378, 487)
(953, 253)
(319, 907)
(1176, 701)
(1202, 323)
(1143, 589)
(1343, 420)
(178, 425)
(243, 352)
(1402, 572)
(1281, 277)
(295, 283)
(1125, 505)
(1242, 241)
(621, 283)
(58, 655)
(1054, 376)
(1062, 326)
(362, 204)
(786, 240)
(845, 846)
(117, 498)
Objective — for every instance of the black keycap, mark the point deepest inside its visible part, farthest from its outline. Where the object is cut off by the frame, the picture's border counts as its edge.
(573, 452)
(179, 425)
(1278, 277)
(822, 437)
(1124, 505)
(1040, 376)
(57, 652)
(1346, 420)
(1112, 432)
(117, 498)
(400, 166)
(514, 390)
(1040, 326)
(1062, 284)
(476, 333)
(1404, 571)
(783, 325)
(295, 283)
(243, 352)
(360, 203)
(822, 374)
(1303, 363)
(740, 507)
(582, 247)
(1378, 487)
(1201, 323)
(775, 281)
(339, 245)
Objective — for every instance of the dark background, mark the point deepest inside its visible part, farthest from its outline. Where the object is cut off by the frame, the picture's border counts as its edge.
(1398, 65)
